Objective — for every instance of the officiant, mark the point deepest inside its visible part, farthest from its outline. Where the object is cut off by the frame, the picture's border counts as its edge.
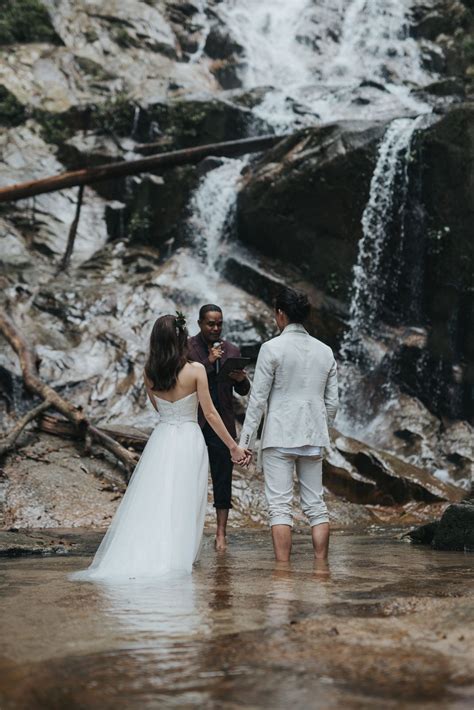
(208, 348)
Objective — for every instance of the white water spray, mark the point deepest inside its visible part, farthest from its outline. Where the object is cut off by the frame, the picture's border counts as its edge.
(212, 205)
(327, 61)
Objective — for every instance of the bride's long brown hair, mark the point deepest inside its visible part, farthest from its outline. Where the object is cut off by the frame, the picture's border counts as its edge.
(168, 352)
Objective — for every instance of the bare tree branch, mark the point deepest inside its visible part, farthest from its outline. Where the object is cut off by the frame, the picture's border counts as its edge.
(74, 414)
(9, 440)
(72, 233)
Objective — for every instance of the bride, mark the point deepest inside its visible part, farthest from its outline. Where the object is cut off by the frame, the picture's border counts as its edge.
(159, 523)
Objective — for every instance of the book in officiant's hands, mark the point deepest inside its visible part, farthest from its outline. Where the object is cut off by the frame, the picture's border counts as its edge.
(230, 365)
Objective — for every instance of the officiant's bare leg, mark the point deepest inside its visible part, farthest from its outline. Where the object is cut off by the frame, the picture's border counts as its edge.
(320, 535)
(281, 536)
(222, 516)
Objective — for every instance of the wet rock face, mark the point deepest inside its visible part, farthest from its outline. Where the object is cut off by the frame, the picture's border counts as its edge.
(304, 200)
(451, 25)
(437, 266)
(365, 474)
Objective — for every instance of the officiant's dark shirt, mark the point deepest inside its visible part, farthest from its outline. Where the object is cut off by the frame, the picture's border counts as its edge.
(221, 392)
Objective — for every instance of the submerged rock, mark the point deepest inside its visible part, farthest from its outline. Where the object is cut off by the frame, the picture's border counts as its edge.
(455, 530)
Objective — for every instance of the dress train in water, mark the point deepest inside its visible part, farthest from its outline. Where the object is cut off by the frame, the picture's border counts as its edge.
(158, 526)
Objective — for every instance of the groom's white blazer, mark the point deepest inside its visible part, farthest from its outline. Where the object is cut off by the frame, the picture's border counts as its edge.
(296, 377)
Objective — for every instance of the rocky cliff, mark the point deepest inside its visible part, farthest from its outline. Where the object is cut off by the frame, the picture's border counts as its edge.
(85, 83)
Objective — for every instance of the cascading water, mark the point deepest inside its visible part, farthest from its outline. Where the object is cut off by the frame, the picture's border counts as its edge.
(375, 46)
(389, 181)
(212, 207)
(328, 61)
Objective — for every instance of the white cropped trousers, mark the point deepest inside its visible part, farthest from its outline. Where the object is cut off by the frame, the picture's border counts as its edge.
(278, 470)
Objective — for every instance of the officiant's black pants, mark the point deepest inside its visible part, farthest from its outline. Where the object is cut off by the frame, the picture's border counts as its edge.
(221, 467)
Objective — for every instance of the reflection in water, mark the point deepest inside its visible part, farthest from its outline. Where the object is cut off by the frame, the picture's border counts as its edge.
(163, 609)
(281, 594)
(221, 588)
(226, 636)
(321, 570)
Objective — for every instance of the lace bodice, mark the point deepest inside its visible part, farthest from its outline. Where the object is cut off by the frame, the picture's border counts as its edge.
(178, 412)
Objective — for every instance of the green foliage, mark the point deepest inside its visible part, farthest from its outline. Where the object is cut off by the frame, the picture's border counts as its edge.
(55, 127)
(115, 116)
(91, 36)
(12, 112)
(94, 69)
(194, 122)
(25, 21)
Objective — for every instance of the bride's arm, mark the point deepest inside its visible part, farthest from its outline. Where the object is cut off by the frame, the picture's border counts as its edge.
(212, 415)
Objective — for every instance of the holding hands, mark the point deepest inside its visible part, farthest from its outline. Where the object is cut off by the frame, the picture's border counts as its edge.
(240, 456)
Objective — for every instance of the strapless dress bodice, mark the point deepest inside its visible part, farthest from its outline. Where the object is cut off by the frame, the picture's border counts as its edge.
(180, 411)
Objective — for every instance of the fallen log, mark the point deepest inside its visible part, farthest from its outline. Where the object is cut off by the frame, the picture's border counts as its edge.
(8, 442)
(127, 436)
(87, 176)
(75, 415)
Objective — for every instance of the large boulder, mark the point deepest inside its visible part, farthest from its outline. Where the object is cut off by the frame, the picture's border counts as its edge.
(434, 287)
(455, 530)
(366, 474)
(263, 278)
(303, 201)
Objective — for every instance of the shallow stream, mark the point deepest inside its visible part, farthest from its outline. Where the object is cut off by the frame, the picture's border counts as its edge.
(385, 624)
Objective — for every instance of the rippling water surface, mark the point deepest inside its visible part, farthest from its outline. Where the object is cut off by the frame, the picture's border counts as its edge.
(382, 623)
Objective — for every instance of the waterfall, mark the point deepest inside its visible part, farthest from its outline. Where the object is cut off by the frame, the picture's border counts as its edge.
(367, 286)
(200, 21)
(212, 207)
(365, 53)
(388, 192)
(375, 46)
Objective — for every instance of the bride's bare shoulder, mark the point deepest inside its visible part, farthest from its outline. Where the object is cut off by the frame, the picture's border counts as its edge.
(195, 366)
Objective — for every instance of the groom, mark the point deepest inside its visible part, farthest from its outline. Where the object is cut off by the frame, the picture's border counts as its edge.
(209, 349)
(295, 380)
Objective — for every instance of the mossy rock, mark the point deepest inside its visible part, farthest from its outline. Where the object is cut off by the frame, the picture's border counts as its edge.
(197, 122)
(93, 69)
(57, 128)
(26, 21)
(12, 112)
(157, 209)
(115, 116)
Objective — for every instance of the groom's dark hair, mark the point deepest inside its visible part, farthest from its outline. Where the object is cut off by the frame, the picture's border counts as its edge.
(207, 308)
(294, 303)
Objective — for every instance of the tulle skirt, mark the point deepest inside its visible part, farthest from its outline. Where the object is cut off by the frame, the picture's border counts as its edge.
(158, 526)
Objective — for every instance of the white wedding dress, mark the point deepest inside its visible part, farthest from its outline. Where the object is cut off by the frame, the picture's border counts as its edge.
(158, 526)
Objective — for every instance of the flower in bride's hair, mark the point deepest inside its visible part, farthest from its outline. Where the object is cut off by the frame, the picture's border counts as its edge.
(180, 321)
